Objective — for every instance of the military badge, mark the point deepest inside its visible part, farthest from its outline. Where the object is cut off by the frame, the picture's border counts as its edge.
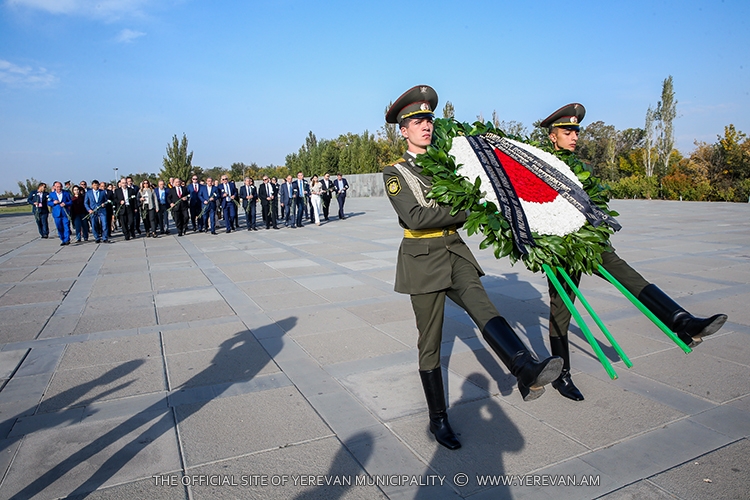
(393, 185)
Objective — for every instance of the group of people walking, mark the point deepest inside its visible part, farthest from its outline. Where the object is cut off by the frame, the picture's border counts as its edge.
(80, 210)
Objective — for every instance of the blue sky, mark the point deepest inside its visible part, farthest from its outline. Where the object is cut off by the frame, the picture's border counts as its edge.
(91, 85)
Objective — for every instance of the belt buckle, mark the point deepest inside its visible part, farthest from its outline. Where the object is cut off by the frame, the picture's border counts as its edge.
(446, 231)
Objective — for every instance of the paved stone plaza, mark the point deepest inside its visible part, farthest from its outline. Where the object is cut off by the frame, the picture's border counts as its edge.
(267, 362)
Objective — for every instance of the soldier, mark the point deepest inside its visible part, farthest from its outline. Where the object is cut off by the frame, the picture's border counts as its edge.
(564, 126)
(434, 262)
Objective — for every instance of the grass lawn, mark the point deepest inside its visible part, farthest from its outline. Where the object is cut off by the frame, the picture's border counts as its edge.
(19, 209)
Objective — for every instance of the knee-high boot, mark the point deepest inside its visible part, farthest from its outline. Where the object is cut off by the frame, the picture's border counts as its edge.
(532, 374)
(564, 384)
(688, 328)
(432, 382)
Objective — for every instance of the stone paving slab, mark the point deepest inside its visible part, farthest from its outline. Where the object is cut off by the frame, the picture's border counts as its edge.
(288, 353)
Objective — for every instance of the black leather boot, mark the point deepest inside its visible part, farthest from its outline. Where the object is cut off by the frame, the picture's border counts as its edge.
(564, 384)
(688, 328)
(532, 374)
(432, 382)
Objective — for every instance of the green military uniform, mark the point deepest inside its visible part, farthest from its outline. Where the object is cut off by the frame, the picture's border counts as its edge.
(689, 328)
(570, 117)
(433, 260)
(559, 315)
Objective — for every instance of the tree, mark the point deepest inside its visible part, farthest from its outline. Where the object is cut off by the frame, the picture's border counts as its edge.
(448, 110)
(178, 162)
(666, 112)
(29, 186)
(649, 140)
(596, 145)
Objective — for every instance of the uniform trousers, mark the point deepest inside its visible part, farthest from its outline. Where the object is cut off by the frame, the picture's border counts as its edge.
(559, 316)
(467, 292)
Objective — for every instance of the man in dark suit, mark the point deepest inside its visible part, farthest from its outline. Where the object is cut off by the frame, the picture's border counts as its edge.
(60, 201)
(564, 126)
(435, 263)
(195, 204)
(249, 197)
(179, 204)
(228, 193)
(267, 195)
(95, 203)
(208, 196)
(300, 198)
(162, 216)
(341, 186)
(38, 202)
(125, 200)
(287, 193)
(327, 193)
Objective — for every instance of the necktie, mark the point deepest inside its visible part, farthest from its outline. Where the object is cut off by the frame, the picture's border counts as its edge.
(96, 196)
(179, 193)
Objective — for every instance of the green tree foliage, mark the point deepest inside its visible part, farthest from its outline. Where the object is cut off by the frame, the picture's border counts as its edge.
(448, 110)
(177, 162)
(666, 112)
(27, 186)
(349, 154)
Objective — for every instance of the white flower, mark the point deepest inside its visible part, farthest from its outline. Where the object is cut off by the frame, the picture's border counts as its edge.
(556, 217)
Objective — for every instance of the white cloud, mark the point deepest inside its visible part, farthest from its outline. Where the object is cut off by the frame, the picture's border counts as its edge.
(100, 9)
(127, 35)
(25, 76)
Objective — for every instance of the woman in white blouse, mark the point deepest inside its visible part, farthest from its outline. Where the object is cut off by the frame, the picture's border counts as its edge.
(316, 189)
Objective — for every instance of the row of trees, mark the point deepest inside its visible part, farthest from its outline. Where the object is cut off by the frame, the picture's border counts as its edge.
(635, 162)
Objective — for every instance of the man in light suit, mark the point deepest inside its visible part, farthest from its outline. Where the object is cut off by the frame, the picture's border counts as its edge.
(38, 202)
(208, 196)
(340, 185)
(60, 202)
(95, 202)
(249, 197)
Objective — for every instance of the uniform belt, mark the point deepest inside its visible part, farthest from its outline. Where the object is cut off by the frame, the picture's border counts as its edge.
(429, 233)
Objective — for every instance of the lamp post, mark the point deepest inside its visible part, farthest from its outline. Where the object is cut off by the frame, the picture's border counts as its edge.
(114, 169)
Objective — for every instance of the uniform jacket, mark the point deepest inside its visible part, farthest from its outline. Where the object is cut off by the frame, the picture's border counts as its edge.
(57, 210)
(424, 264)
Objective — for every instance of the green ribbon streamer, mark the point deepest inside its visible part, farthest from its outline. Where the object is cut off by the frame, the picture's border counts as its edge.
(581, 324)
(596, 318)
(637, 303)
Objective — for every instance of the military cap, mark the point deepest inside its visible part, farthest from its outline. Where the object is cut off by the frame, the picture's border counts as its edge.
(569, 116)
(417, 101)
